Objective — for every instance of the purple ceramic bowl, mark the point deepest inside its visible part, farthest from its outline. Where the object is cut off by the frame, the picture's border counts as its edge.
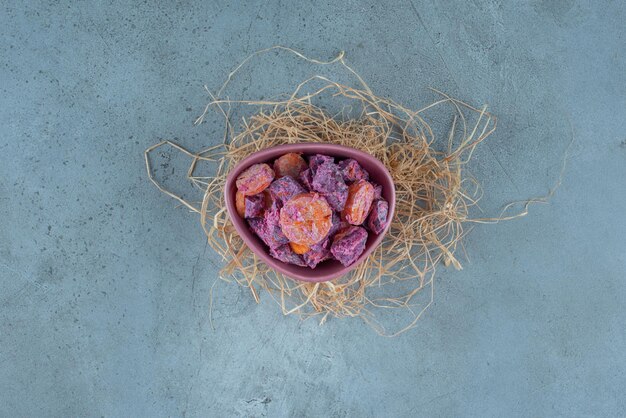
(330, 269)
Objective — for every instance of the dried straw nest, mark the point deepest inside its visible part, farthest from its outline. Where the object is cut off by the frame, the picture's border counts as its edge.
(433, 194)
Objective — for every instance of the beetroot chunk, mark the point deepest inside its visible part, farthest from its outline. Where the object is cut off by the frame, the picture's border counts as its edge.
(336, 200)
(285, 254)
(317, 160)
(254, 205)
(349, 244)
(268, 228)
(317, 254)
(378, 191)
(328, 181)
(377, 220)
(352, 170)
(335, 226)
(306, 178)
(284, 189)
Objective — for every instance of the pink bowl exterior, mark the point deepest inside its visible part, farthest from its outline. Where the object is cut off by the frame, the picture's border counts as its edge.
(327, 270)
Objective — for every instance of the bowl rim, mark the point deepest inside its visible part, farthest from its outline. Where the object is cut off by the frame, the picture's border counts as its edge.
(306, 148)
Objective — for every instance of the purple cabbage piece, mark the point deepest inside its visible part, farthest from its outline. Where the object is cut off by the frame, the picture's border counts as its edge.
(268, 228)
(318, 159)
(377, 219)
(285, 254)
(306, 177)
(352, 170)
(349, 244)
(284, 189)
(318, 253)
(254, 205)
(328, 181)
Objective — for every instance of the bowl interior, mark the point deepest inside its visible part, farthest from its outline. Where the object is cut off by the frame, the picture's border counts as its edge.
(330, 269)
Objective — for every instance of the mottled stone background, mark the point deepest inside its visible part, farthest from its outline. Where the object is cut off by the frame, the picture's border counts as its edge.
(104, 282)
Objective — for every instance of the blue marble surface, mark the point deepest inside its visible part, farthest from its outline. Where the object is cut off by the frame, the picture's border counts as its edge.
(105, 284)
